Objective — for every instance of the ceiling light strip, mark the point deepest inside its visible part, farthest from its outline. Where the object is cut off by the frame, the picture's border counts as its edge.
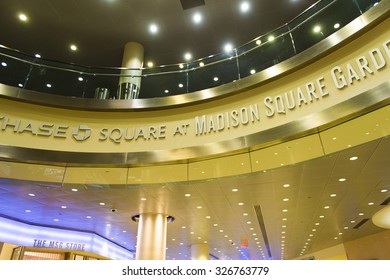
(260, 219)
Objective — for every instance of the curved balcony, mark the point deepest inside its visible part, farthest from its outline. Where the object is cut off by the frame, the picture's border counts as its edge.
(293, 39)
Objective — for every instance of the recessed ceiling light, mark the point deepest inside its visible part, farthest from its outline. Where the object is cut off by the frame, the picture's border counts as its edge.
(371, 203)
(215, 225)
(197, 18)
(248, 223)
(187, 195)
(244, 6)
(31, 194)
(108, 225)
(63, 207)
(102, 203)
(20, 85)
(37, 55)
(352, 222)
(253, 71)
(143, 199)
(336, 26)
(240, 203)
(258, 42)
(342, 180)
(208, 217)
(88, 217)
(181, 85)
(187, 56)
(353, 158)
(150, 64)
(75, 190)
(286, 185)
(199, 207)
(361, 214)
(4, 64)
(234, 190)
(384, 190)
(228, 47)
(80, 79)
(317, 29)
(285, 199)
(201, 64)
(48, 85)
(271, 38)
(153, 28)
(285, 210)
(183, 227)
(333, 195)
(326, 207)
(245, 214)
(166, 91)
(73, 47)
(28, 211)
(216, 79)
(22, 17)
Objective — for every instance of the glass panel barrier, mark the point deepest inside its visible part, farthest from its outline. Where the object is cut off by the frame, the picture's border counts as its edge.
(164, 81)
(213, 71)
(324, 22)
(265, 52)
(310, 27)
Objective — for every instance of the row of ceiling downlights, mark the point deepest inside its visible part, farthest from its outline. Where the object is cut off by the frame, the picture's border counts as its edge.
(197, 19)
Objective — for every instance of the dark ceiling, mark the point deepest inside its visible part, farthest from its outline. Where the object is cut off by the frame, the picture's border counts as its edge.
(100, 28)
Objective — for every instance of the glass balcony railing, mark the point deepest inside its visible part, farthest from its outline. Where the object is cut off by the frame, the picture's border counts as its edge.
(316, 23)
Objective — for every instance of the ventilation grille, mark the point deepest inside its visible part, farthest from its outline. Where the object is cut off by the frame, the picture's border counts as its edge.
(189, 4)
(260, 219)
(386, 202)
(362, 222)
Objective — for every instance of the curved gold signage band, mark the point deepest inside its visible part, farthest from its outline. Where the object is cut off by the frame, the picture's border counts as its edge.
(365, 102)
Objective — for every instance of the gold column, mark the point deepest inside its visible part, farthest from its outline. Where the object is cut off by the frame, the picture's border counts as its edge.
(130, 80)
(200, 252)
(152, 237)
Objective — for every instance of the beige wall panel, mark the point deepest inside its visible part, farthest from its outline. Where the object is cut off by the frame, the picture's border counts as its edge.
(290, 152)
(112, 176)
(158, 174)
(7, 250)
(372, 247)
(332, 253)
(361, 130)
(32, 172)
(220, 167)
